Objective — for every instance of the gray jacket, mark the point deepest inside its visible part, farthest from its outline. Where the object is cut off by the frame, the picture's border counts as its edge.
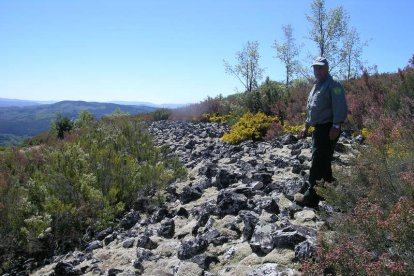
(326, 103)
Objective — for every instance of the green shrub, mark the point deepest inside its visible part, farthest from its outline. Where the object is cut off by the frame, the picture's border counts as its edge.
(160, 114)
(249, 127)
(86, 180)
(61, 125)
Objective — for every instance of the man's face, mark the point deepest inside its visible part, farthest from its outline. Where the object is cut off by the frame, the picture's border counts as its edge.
(320, 72)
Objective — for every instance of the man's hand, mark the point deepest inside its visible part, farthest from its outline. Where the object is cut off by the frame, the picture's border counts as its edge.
(304, 133)
(334, 133)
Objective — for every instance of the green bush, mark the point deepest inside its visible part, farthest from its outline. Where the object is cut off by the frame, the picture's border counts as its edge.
(160, 114)
(61, 125)
(249, 127)
(50, 194)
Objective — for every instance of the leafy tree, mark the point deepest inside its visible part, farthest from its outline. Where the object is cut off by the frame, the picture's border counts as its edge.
(328, 30)
(271, 92)
(288, 52)
(62, 124)
(85, 118)
(351, 53)
(253, 100)
(247, 70)
(117, 113)
(411, 62)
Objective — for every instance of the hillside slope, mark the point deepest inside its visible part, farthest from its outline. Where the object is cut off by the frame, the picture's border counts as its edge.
(27, 121)
(233, 215)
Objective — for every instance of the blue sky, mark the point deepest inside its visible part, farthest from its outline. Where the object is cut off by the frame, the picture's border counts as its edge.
(166, 51)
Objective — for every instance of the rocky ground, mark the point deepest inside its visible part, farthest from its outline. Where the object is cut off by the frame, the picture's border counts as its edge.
(233, 215)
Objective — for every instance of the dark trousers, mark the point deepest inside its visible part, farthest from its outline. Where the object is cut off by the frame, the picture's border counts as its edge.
(322, 153)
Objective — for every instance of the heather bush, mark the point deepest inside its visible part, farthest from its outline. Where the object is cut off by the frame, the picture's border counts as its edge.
(373, 234)
(249, 127)
(195, 112)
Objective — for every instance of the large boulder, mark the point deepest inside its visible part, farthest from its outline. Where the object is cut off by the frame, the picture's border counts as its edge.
(230, 203)
(250, 220)
(305, 250)
(262, 239)
(266, 203)
(145, 241)
(286, 238)
(190, 193)
(167, 228)
(224, 178)
(104, 233)
(190, 248)
(129, 220)
(66, 269)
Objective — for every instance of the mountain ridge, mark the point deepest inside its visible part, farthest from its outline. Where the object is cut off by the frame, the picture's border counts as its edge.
(6, 102)
(20, 122)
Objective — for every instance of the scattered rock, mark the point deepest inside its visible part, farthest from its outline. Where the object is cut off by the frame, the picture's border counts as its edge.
(230, 203)
(262, 239)
(248, 208)
(65, 269)
(94, 245)
(129, 243)
(145, 241)
(144, 254)
(104, 233)
(304, 250)
(287, 239)
(288, 139)
(167, 229)
(114, 271)
(129, 220)
(159, 215)
(190, 248)
(250, 220)
(190, 193)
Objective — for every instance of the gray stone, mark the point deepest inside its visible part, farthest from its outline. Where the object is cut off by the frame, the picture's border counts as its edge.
(104, 233)
(204, 260)
(289, 139)
(270, 269)
(304, 250)
(262, 239)
(287, 239)
(167, 228)
(128, 243)
(266, 203)
(224, 178)
(145, 241)
(250, 220)
(230, 203)
(94, 245)
(114, 271)
(144, 254)
(190, 248)
(190, 193)
(159, 215)
(263, 177)
(129, 220)
(256, 185)
(65, 269)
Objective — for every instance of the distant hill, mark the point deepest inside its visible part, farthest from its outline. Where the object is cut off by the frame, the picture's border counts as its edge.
(17, 122)
(14, 102)
(150, 104)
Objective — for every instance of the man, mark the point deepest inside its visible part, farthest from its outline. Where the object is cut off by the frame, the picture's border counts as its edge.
(327, 110)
